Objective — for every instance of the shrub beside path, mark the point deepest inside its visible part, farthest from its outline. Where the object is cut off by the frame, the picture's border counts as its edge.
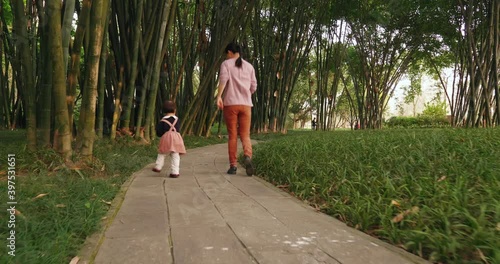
(207, 216)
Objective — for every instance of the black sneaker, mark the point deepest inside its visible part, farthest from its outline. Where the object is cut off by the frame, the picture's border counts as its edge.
(232, 170)
(248, 166)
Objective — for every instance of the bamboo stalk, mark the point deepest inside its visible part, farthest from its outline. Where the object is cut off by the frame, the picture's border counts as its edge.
(62, 134)
(86, 135)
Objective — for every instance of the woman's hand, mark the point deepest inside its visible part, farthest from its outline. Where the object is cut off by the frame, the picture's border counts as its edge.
(220, 104)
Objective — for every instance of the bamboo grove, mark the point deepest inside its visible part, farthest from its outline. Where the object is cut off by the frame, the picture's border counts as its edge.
(73, 70)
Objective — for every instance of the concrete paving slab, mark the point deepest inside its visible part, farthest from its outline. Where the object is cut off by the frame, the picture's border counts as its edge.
(208, 244)
(242, 209)
(318, 256)
(138, 224)
(143, 204)
(269, 241)
(274, 204)
(193, 208)
(342, 241)
(217, 191)
(253, 188)
(133, 250)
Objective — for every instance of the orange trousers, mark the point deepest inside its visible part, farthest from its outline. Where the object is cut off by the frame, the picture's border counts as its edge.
(238, 119)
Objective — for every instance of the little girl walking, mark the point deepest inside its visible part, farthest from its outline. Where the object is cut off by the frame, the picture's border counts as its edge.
(171, 141)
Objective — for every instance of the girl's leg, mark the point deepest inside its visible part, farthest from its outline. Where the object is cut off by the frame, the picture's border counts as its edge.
(160, 160)
(175, 160)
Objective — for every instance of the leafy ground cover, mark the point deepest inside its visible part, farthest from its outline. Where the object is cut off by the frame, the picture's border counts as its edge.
(58, 207)
(434, 192)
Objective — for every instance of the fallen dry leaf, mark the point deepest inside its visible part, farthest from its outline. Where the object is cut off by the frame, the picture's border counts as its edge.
(74, 260)
(395, 203)
(442, 179)
(106, 202)
(481, 255)
(398, 218)
(60, 205)
(39, 196)
(498, 226)
(19, 214)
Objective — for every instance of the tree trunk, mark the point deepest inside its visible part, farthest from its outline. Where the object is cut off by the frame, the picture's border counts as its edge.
(129, 98)
(101, 86)
(69, 11)
(45, 80)
(24, 53)
(165, 28)
(62, 131)
(74, 71)
(117, 103)
(4, 106)
(86, 135)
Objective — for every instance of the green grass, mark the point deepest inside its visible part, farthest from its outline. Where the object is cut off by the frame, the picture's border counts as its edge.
(52, 228)
(443, 183)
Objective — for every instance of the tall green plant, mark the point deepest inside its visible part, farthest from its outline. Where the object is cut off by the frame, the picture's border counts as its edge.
(384, 45)
(25, 70)
(168, 16)
(86, 129)
(45, 83)
(283, 34)
(62, 128)
(435, 109)
(129, 93)
(224, 25)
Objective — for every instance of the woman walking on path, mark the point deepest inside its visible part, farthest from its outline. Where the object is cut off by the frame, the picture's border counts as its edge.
(237, 83)
(171, 141)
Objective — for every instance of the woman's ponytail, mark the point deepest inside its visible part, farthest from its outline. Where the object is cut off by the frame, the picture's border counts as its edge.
(235, 48)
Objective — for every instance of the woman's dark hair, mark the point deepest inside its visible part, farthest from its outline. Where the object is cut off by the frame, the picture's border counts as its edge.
(234, 48)
(168, 106)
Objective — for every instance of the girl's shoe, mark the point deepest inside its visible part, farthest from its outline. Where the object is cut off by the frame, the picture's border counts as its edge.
(174, 175)
(156, 170)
